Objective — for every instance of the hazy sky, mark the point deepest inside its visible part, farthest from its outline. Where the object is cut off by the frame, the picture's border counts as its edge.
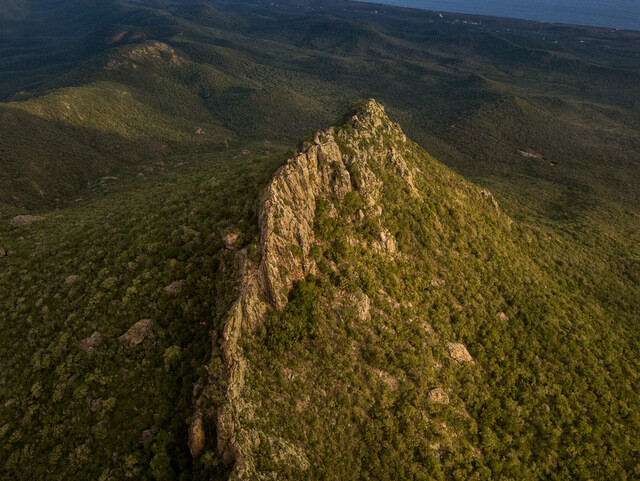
(604, 13)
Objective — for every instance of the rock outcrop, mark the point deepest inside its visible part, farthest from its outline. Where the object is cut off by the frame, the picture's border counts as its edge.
(438, 396)
(174, 288)
(137, 333)
(458, 352)
(88, 344)
(196, 437)
(322, 169)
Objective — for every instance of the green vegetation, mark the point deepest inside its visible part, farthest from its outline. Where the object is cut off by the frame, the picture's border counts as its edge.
(551, 391)
(119, 411)
(114, 126)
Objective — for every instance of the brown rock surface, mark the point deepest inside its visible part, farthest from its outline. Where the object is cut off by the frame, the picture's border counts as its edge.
(438, 396)
(458, 352)
(196, 437)
(174, 288)
(88, 343)
(137, 333)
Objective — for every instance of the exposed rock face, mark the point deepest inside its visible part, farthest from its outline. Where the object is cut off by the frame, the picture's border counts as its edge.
(137, 333)
(438, 396)
(22, 220)
(174, 288)
(362, 304)
(231, 240)
(458, 352)
(196, 437)
(286, 220)
(288, 215)
(88, 343)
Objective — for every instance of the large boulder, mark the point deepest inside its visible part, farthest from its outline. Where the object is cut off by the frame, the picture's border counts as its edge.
(438, 396)
(458, 352)
(174, 288)
(137, 333)
(231, 240)
(196, 437)
(88, 343)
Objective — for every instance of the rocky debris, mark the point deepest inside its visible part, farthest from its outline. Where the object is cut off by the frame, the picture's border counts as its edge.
(489, 197)
(402, 169)
(438, 396)
(458, 352)
(71, 280)
(196, 437)
(428, 329)
(174, 288)
(23, 220)
(231, 240)
(502, 317)
(388, 379)
(95, 404)
(137, 333)
(88, 344)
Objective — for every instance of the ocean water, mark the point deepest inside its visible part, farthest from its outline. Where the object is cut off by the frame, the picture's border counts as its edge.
(619, 14)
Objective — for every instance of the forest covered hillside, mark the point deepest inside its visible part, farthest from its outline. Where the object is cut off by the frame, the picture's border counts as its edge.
(215, 265)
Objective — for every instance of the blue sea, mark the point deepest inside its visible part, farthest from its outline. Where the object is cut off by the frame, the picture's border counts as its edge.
(619, 14)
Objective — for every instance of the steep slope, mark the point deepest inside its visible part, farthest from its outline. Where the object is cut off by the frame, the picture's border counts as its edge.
(393, 323)
(105, 318)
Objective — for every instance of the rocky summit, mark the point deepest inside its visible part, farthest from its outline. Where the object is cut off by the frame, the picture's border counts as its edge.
(370, 313)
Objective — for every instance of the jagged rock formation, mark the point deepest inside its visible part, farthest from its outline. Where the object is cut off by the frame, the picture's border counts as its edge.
(286, 219)
(320, 178)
